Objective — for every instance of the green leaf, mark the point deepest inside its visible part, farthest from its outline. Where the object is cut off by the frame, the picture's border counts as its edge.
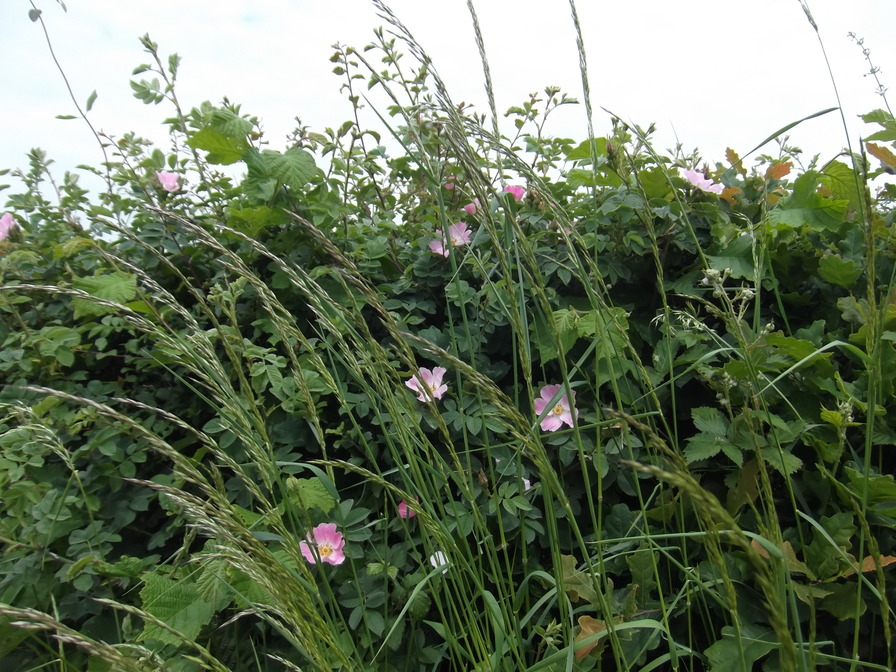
(178, 605)
(577, 584)
(211, 584)
(738, 256)
(654, 182)
(881, 490)
(294, 168)
(701, 447)
(842, 602)
(91, 99)
(710, 420)
(726, 655)
(252, 221)
(583, 150)
(222, 149)
(806, 206)
(34, 14)
(547, 339)
(228, 123)
(117, 287)
(309, 493)
(839, 271)
(785, 463)
(840, 180)
(57, 342)
(798, 349)
(879, 116)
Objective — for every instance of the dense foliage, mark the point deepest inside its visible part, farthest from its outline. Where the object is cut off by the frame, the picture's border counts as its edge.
(445, 399)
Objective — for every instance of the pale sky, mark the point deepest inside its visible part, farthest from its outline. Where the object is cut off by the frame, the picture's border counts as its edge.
(714, 73)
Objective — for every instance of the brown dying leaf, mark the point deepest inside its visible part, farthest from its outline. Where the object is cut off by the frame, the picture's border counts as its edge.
(883, 153)
(729, 193)
(587, 627)
(735, 161)
(867, 564)
(778, 170)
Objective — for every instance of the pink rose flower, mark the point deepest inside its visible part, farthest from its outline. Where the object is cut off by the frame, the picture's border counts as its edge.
(428, 384)
(169, 181)
(458, 234)
(6, 224)
(700, 181)
(329, 544)
(562, 412)
(449, 182)
(471, 208)
(404, 511)
(517, 191)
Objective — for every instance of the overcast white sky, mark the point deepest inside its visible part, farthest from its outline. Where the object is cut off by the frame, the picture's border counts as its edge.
(716, 73)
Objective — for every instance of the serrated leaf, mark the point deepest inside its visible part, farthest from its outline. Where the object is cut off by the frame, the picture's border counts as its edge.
(309, 493)
(839, 181)
(710, 420)
(395, 636)
(252, 221)
(784, 463)
(175, 603)
(222, 149)
(834, 418)
(805, 206)
(881, 117)
(294, 168)
(611, 324)
(732, 452)
(701, 447)
(228, 123)
(117, 287)
(211, 584)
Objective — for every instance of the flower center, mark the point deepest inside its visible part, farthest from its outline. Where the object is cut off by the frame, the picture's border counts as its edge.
(432, 387)
(557, 410)
(325, 550)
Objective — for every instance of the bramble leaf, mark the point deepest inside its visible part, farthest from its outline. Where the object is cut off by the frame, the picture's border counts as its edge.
(117, 287)
(222, 149)
(175, 603)
(805, 206)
